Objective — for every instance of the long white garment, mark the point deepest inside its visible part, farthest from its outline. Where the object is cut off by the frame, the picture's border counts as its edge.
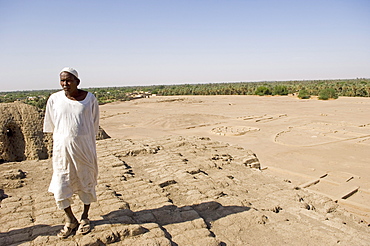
(74, 125)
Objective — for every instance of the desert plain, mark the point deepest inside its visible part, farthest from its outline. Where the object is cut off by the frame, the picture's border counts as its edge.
(298, 140)
(213, 170)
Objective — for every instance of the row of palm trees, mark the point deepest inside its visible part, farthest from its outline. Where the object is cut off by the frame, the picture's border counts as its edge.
(350, 88)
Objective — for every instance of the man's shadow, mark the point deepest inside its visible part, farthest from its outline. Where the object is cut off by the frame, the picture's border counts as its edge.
(171, 214)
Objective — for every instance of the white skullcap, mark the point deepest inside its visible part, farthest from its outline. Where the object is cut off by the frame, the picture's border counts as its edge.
(70, 70)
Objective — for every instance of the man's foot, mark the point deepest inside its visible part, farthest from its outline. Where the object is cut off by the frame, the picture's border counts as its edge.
(67, 229)
(84, 227)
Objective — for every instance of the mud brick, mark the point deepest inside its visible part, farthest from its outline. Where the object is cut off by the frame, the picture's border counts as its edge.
(179, 228)
(26, 222)
(46, 210)
(9, 205)
(106, 195)
(47, 219)
(135, 185)
(95, 214)
(105, 237)
(59, 242)
(163, 241)
(118, 213)
(154, 233)
(199, 223)
(107, 209)
(16, 225)
(144, 199)
(122, 220)
(19, 237)
(4, 240)
(144, 217)
(39, 230)
(136, 230)
(158, 204)
(6, 217)
(27, 199)
(208, 241)
(22, 244)
(43, 205)
(167, 216)
(181, 239)
(191, 235)
(196, 197)
(110, 201)
(130, 241)
(152, 196)
(189, 215)
(11, 201)
(26, 244)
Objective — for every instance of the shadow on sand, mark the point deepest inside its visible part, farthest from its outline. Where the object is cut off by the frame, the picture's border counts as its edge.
(171, 214)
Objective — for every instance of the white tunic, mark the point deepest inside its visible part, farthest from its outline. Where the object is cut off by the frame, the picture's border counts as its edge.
(74, 125)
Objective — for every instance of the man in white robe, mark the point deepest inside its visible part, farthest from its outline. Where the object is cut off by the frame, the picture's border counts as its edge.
(72, 115)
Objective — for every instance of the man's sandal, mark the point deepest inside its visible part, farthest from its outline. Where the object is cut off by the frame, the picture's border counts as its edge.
(67, 229)
(84, 227)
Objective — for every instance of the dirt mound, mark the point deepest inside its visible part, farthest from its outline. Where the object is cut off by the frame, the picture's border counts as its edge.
(21, 135)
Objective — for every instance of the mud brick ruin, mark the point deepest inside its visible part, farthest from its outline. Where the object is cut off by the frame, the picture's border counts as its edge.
(21, 136)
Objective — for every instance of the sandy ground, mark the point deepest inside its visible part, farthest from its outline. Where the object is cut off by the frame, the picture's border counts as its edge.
(314, 141)
(177, 171)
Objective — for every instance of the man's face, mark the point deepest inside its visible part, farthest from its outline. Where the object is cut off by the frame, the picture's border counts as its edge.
(68, 82)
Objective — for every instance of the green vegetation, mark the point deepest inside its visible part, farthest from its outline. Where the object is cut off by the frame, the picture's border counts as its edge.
(281, 90)
(327, 93)
(350, 88)
(35, 98)
(303, 94)
(304, 89)
(262, 91)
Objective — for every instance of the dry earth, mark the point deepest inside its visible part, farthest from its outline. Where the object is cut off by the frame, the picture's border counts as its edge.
(177, 172)
(322, 145)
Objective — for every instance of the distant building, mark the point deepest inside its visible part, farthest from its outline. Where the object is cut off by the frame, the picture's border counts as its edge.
(139, 94)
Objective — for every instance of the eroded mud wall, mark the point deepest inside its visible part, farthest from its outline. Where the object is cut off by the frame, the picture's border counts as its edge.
(21, 135)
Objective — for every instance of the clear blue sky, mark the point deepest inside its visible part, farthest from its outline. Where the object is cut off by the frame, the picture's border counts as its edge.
(148, 42)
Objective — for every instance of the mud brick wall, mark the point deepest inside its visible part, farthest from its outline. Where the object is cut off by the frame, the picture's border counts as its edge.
(21, 136)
